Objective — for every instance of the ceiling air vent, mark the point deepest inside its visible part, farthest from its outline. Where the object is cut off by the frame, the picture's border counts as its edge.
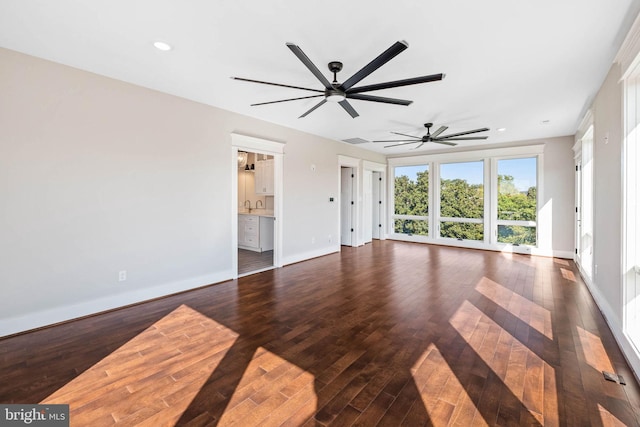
(355, 141)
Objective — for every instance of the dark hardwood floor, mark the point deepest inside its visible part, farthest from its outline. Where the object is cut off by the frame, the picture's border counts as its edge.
(391, 333)
(249, 261)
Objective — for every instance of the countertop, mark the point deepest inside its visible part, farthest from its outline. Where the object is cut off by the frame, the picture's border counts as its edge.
(258, 212)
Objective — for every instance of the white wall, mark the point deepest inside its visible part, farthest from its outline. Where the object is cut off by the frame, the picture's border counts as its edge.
(607, 163)
(99, 176)
(559, 193)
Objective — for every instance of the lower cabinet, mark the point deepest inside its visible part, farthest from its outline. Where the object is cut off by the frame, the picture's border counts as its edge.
(255, 233)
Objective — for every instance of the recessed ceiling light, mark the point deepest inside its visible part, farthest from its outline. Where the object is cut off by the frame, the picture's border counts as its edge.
(501, 129)
(162, 46)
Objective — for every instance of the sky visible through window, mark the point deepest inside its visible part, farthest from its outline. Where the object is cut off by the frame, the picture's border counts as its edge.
(472, 172)
(523, 171)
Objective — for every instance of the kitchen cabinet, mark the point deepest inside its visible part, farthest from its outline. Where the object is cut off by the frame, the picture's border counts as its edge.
(255, 232)
(264, 177)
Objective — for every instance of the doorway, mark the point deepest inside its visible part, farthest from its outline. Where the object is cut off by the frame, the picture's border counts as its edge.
(255, 212)
(373, 205)
(256, 232)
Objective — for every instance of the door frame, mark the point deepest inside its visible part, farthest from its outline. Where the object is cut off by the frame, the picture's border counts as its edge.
(347, 201)
(350, 162)
(382, 170)
(241, 142)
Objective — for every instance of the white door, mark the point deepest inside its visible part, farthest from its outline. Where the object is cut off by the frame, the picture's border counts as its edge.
(631, 240)
(377, 205)
(347, 203)
(578, 220)
(367, 203)
(585, 206)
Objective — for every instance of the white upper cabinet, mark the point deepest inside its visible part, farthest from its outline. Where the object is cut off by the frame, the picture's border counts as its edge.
(264, 177)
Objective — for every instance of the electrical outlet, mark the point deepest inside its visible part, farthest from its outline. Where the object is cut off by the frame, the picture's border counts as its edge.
(122, 276)
(313, 240)
(329, 238)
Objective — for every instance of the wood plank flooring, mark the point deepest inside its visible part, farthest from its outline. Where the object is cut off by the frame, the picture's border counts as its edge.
(249, 261)
(392, 333)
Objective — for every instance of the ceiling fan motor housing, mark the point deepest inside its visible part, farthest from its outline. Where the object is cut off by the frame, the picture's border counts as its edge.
(334, 95)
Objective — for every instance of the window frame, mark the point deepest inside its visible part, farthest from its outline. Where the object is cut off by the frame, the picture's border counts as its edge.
(494, 203)
(440, 219)
(490, 158)
(392, 208)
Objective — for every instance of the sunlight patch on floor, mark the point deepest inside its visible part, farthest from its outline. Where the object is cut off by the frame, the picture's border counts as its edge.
(153, 377)
(520, 369)
(594, 351)
(568, 274)
(533, 314)
(272, 390)
(444, 398)
(608, 419)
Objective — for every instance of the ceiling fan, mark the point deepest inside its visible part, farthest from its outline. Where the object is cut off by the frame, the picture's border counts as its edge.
(435, 137)
(340, 92)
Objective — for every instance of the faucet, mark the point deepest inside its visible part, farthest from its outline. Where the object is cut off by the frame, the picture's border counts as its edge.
(259, 201)
(245, 204)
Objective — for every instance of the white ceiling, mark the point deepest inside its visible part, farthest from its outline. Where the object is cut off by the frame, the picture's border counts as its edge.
(532, 67)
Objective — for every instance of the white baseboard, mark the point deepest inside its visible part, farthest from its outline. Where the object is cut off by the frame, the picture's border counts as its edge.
(470, 244)
(311, 254)
(562, 254)
(629, 351)
(42, 318)
(38, 319)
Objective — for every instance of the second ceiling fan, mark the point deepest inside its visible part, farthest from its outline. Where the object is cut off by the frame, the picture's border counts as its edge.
(435, 137)
(340, 92)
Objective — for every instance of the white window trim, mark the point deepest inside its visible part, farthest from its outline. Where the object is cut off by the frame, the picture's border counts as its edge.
(495, 222)
(490, 158)
(461, 220)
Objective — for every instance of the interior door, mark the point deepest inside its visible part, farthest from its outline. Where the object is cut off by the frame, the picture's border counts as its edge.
(376, 207)
(347, 203)
(367, 203)
(585, 207)
(578, 220)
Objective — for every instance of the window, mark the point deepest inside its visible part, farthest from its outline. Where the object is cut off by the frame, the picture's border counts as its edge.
(480, 199)
(411, 200)
(462, 200)
(517, 201)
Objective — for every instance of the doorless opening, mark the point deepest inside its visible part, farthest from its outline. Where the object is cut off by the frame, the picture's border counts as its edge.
(269, 191)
